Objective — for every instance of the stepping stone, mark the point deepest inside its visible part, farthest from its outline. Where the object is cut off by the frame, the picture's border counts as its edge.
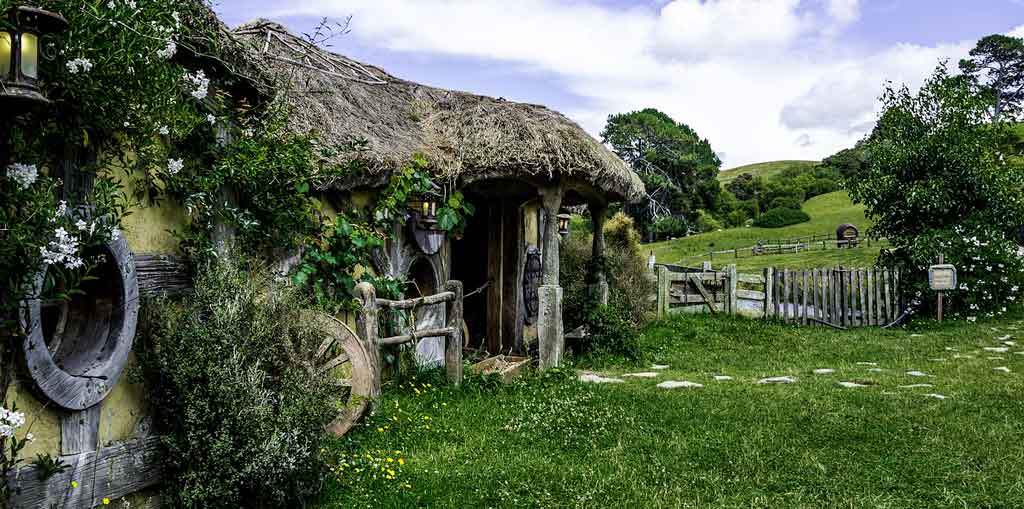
(963, 356)
(824, 371)
(867, 363)
(1018, 353)
(722, 378)
(996, 349)
(672, 384)
(915, 386)
(938, 359)
(648, 374)
(598, 379)
(917, 335)
(1010, 343)
(951, 349)
(996, 358)
(936, 396)
(777, 380)
(876, 370)
(917, 373)
(1004, 338)
(1002, 369)
(659, 366)
(851, 385)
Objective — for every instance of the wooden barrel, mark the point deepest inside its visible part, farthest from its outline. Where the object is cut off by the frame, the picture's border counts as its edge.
(76, 350)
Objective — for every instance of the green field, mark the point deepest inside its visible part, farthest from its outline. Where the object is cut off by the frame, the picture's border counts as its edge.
(827, 212)
(764, 170)
(551, 442)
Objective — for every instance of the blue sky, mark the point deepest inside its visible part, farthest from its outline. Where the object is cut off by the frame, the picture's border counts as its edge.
(761, 79)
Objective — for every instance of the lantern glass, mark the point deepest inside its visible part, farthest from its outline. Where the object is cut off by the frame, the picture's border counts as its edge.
(30, 55)
(5, 54)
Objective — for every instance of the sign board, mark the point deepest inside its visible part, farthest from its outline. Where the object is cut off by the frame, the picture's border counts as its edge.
(942, 277)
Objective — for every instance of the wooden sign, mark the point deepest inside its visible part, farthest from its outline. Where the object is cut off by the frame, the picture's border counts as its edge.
(942, 277)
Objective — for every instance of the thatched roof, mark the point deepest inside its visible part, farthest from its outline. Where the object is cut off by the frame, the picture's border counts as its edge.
(465, 136)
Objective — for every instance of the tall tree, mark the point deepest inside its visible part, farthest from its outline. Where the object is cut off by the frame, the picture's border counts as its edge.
(678, 167)
(997, 65)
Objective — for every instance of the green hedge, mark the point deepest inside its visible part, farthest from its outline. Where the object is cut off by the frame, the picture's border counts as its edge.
(779, 217)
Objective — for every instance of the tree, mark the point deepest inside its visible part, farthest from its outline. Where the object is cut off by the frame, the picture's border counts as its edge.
(938, 182)
(997, 65)
(746, 186)
(678, 167)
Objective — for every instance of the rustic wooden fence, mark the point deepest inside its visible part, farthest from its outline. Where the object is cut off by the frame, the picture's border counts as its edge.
(835, 297)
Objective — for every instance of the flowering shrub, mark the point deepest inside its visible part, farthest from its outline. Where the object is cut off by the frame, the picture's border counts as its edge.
(10, 445)
(939, 180)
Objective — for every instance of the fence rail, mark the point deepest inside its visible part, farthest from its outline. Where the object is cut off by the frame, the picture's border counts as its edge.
(835, 297)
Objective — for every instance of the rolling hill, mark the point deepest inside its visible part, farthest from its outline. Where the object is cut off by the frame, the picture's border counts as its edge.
(765, 170)
(827, 212)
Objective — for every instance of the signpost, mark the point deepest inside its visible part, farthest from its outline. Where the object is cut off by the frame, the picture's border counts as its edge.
(942, 278)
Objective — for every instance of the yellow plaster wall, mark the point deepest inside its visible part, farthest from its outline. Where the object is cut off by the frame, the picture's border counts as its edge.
(148, 228)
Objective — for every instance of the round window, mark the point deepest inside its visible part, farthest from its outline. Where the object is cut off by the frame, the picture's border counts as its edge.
(76, 349)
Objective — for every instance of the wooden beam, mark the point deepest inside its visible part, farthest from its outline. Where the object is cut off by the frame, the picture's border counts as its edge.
(494, 275)
(704, 293)
(79, 430)
(111, 472)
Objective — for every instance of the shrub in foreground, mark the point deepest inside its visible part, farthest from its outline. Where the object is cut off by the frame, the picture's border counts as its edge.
(243, 424)
(777, 218)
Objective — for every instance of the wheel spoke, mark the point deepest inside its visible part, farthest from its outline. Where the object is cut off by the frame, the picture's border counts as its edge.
(335, 362)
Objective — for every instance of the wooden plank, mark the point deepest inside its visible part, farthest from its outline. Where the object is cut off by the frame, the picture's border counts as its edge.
(806, 289)
(79, 431)
(871, 297)
(704, 293)
(511, 285)
(888, 299)
(680, 297)
(751, 295)
(752, 279)
(787, 279)
(731, 285)
(897, 296)
(854, 292)
(162, 274)
(769, 301)
(851, 293)
(863, 285)
(111, 472)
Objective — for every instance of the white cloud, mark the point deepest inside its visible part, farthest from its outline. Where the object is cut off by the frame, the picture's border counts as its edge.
(760, 79)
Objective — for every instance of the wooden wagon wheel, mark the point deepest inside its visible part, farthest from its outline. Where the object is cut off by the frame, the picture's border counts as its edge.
(342, 358)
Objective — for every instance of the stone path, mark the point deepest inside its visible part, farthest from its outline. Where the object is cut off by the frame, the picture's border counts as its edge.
(647, 374)
(684, 384)
(777, 380)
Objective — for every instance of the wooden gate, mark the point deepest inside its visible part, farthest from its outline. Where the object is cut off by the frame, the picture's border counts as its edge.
(682, 290)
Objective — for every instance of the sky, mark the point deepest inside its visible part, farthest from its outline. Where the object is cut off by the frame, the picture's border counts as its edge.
(762, 80)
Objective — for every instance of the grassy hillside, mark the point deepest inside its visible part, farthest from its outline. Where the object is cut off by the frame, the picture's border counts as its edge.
(765, 170)
(827, 212)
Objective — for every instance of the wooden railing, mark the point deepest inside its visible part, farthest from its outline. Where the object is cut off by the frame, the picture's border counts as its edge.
(368, 328)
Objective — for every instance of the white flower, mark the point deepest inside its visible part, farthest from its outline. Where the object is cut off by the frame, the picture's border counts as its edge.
(164, 130)
(62, 250)
(211, 119)
(115, 234)
(174, 166)
(81, 225)
(249, 132)
(30, 437)
(10, 421)
(79, 65)
(200, 84)
(972, 319)
(62, 208)
(169, 50)
(24, 174)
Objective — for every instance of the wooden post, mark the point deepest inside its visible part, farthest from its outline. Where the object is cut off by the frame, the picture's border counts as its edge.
(785, 295)
(369, 335)
(769, 286)
(453, 344)
(871, 297)
(598, 214)
(663, 288)
(803, 314)
(732, 284)
(550, 334)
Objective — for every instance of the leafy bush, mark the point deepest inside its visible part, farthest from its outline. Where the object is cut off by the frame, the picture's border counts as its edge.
(706, 222)
(777, 218)
(243, 425)
(669, 227)
(628, 283)
(612, 332)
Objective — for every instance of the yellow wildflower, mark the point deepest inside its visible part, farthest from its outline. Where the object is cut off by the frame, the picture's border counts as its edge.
(106, 501)
(74, 484)
(401, 461)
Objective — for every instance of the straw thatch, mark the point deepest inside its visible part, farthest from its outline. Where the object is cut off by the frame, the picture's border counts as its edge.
(466, 137)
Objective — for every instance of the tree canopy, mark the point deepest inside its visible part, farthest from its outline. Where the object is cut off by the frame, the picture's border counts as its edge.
(678, 167)
(997, 65)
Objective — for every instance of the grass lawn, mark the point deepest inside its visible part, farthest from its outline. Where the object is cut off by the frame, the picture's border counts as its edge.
(827, 212)
(764, 170)
(554, 442)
